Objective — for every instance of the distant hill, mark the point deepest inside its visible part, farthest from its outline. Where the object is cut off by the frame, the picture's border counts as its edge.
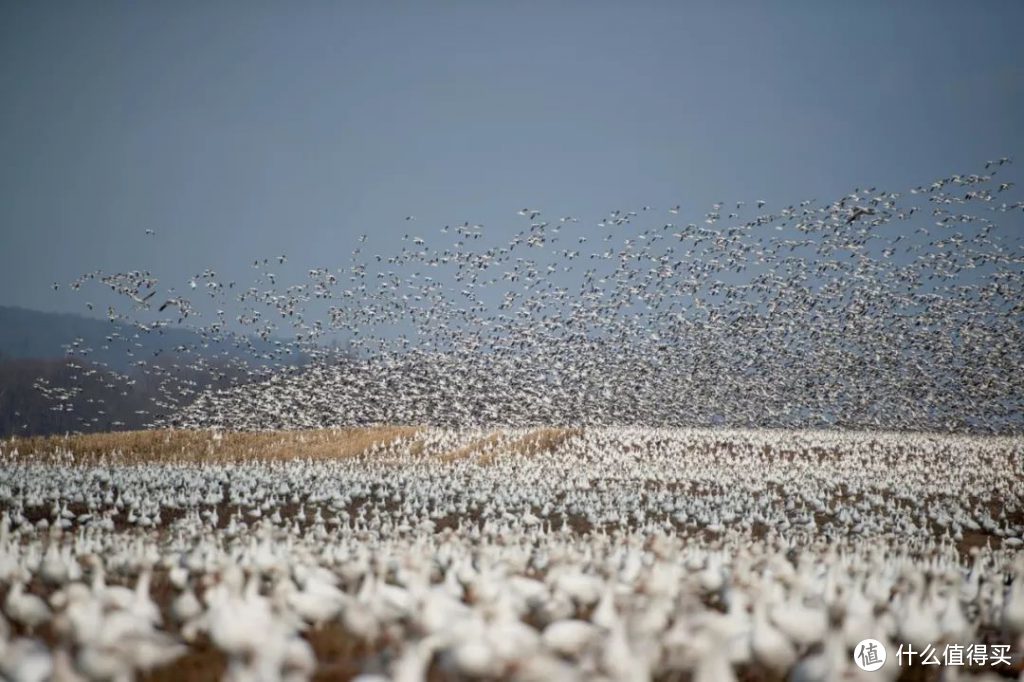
(35, 334)
(83, 391)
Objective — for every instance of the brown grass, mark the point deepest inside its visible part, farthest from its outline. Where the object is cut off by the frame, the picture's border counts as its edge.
(474, 446)
(543, 441)
(540, 441)
(171, 445)
(193, 446)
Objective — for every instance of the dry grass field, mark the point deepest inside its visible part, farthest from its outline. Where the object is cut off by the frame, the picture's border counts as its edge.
(215, 447)
(218, 447)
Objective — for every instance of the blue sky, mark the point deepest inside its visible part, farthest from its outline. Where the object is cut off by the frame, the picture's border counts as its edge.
(238, 130)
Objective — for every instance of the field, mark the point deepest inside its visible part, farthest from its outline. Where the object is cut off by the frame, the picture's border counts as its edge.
(520, 554)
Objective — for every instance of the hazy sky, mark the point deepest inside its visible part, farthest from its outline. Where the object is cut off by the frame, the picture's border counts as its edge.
(238, 130)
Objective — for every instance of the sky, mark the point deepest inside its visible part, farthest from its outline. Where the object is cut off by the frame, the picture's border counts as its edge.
(243, 130)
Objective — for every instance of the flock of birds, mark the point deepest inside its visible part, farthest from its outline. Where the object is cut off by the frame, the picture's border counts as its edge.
(780, 431)
(591, 554)
(878, 310)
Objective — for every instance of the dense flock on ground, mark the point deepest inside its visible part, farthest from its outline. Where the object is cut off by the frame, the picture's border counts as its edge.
(584, 554)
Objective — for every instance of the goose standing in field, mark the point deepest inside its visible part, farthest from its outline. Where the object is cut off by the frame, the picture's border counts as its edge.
(24, 608)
